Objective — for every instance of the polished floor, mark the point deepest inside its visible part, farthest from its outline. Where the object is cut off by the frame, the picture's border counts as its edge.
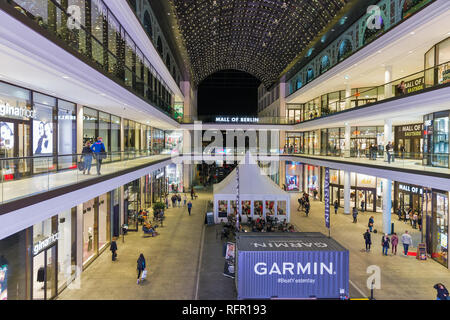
(172, 259)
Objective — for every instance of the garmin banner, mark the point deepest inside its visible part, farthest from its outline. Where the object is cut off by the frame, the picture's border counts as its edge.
(327, 197)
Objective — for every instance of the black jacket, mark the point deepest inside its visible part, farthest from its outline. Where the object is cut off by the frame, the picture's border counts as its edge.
(113, 246)
(441, 293)
(87, 150)
(367, 237)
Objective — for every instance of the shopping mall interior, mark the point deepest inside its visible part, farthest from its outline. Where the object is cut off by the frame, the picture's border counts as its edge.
(181, 129)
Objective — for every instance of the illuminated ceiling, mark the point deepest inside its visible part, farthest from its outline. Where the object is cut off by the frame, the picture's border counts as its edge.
(260, 37)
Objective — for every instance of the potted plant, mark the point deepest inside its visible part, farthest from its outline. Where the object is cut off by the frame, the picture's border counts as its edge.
(158, 207)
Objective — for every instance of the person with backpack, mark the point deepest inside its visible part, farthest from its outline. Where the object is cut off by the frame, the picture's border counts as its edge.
(385, 243)
(336, 206)
(355, 215)
(140, 266)
(368, 240)
(99, 153)
(113, 249)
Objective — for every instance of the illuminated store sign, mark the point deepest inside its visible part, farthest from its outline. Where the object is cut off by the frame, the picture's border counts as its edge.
(44, 244)
(8, 110)
(412, 189)
(237, 119)
(412, 130)
(415, 85)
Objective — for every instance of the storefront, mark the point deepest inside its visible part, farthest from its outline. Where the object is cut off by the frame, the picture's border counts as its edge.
(303, 142)
(174, 175)
(39, 262)
(311, 180)
(408, 141)
(363, 189)
(132, 204)
(159, 186)
(96, 227)
(439, 227)
(294, 176)
(436, 63)
(436, 139)
(332, 141)
(33, 124)
(174, 140)
(158, 141)
(363, 137)
(408, 196)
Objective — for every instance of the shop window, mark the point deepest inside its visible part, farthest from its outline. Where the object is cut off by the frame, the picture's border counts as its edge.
(298, 84)
(440, 232)
(281, 209)
(67, 134)
(246, 208)
(258, 208)
(309, 75)
(270, 208)
(159, 46)
(89, 226)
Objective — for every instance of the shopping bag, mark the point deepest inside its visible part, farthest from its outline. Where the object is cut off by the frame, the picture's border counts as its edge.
(81, 165)
(144, 274)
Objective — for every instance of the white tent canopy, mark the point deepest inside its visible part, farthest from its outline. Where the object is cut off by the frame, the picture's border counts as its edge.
(256, 190)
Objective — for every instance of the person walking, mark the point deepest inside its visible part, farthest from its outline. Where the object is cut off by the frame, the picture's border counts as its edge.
(99, 153)
(189, 206)
(86, 157)
(300, 204)
(184, 200)
(307, 207)
(368, 240)
(394, 243)
(192, 193)
(336, 206)
(363, 203)
(414, 220)
(442, 292)
(179, 200)
(113, 249)
(355, 215)
(419, 221)
(167, 202)
(389, 150)
(371, 222)
(399, 214)
(407, 241)
(385, 243)
(140, 266)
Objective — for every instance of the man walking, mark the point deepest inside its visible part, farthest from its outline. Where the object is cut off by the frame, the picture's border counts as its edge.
(368, 240)
(407, 241)
(189, 206)
(336, 206)
(389, 151)
(355, 215)
(99, 153)
(113, 249)
(307, 206)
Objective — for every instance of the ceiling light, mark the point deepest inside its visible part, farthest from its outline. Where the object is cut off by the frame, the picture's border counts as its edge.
(346, 77)
(65, 77)
(412, 33)
(410, 51)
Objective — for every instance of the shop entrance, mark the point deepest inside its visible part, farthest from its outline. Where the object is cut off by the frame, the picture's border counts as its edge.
(15, 142)
(366, 195)
(45, 274)
(360, 146)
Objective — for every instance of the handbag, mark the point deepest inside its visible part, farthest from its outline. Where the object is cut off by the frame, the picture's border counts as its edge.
(144, 274)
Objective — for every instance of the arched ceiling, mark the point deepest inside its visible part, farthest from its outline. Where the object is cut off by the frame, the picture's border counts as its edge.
(260, 37)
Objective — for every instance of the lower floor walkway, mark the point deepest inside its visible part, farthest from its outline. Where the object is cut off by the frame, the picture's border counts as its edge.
(401, 277)
(172, 260)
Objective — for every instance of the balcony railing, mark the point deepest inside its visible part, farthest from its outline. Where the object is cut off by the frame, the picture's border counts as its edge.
(53, 172)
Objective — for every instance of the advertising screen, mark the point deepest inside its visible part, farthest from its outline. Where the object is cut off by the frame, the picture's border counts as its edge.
(4, 282)
(42, 137)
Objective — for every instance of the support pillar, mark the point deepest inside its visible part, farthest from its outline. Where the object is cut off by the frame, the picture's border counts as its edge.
(387, 205)
(347, 189)
(348, 93)
(80, 115)
(348, 133)
(387, 134)
(387, 80)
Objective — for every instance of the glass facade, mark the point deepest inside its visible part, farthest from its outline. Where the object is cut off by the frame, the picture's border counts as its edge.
(436, 139)
(103, 41)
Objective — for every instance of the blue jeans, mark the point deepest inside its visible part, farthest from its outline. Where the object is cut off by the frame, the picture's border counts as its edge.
(87, 163)
(390, 155)
(385, 250)
(405, 247)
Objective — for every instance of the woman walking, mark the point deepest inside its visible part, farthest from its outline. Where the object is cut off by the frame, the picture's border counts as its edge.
(394, 242)
(86, 156)
(385, 243)
(140, 267)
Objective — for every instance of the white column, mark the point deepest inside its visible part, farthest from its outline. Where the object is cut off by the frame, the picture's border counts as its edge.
(387, 79)
(79, 223)
(348, 93)
(122, 136)
(387, 205)
(121, 208)
(347, 189)
(348, 133)
(80, 115)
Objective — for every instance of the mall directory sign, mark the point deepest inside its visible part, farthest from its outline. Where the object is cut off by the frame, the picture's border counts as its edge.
(291, 266)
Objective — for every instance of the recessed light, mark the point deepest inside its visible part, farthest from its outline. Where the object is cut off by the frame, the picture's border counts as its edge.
(103, 95)
(65, 77)
(412, 32)
(379, 51)
(410, 51)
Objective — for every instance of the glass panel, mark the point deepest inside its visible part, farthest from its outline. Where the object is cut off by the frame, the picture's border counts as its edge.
(246, 208)
(88, 230)
(258, 208)
(270, 208)
(90, 125)
(223, 208)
